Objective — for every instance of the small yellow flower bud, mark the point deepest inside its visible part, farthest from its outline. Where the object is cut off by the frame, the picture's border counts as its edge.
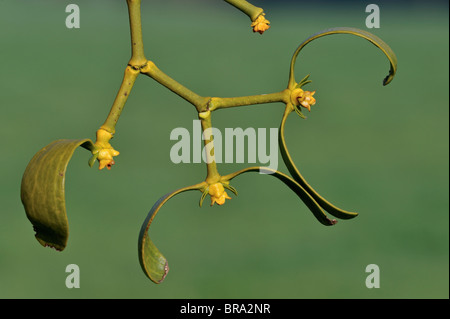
(261, 24)
(307, 100)
(106, 163)
(105, 151)
(303, 98)
(218, 194)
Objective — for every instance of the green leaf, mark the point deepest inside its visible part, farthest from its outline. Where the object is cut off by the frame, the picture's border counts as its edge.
(153, 263)
(42, 191)
(330, 208)
(309, 201)
(360, 33)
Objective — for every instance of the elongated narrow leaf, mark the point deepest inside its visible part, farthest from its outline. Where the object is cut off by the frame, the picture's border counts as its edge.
(360, 33)
(153, 263)
(330, 208)
(42, 191)
(309, 201)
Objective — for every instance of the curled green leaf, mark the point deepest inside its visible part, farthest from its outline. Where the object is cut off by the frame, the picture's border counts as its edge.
(330, 208)
(42, 191)
(153, 263)
(360, 33)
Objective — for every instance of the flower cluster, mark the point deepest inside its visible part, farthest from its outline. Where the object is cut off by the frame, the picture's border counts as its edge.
(218, 194)
(303, 98)
(261, 24)
(104, 151)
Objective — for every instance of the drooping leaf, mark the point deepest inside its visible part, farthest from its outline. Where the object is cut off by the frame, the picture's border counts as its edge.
(330, 208)
(360, 33)
(42, 191)
(153, 263)
(309, 201)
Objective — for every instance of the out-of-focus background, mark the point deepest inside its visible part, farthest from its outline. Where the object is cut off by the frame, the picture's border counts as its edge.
(380, 151)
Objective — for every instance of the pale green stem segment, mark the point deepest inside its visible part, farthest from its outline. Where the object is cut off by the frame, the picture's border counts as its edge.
(204, 104)
(152, 71)
(153, 263)
(216, 103)
(121, 98)
(137, 44)
(136, 62)
(360, 33)
(212, 175)
(309, 201)
(249, 9)
(333, 210)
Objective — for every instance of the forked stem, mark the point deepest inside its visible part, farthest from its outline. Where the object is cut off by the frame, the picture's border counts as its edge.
(159, 76)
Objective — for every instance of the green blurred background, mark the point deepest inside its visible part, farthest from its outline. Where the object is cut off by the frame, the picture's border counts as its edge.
(381, 151)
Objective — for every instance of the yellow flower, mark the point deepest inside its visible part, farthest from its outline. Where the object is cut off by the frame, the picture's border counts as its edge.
(261, 24)
(303, 98)
(218, 194)
(105, 157)
(307, 100)
(104, 150)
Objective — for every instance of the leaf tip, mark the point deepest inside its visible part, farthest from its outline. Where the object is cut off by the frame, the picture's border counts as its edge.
(166, 270)
(387, 80)
(45, 241)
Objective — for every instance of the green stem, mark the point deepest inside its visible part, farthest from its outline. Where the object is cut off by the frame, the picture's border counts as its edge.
(156, 74)
(213, 175)
(137, 45)
(247, 8)
(121, 98)
(216, 103)
(203, 104)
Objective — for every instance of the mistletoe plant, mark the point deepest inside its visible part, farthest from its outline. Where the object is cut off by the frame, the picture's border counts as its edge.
(42, 189)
